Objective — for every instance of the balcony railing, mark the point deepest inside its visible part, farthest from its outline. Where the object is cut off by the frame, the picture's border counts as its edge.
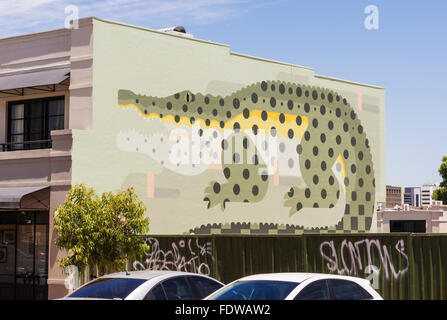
(25, 145)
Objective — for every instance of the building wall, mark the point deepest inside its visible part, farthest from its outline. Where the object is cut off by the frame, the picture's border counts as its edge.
(443, 223)
(37, 52)
(427, 194)
(136, 68)
(394, 196)
(434, 219)
(413, 196)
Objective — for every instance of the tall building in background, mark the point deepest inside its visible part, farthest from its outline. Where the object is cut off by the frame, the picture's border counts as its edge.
(394, 196)
(412, 196)
(427, 193)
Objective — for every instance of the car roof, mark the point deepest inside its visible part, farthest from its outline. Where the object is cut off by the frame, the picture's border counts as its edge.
(296, 277)
(148, 274)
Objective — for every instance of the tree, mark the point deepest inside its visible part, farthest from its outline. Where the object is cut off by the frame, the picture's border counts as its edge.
(100, 231)
(441, 193)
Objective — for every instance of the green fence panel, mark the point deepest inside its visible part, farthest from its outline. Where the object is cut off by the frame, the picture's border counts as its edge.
(237, 256)
(181, 253)
(289, 254)
(380, 257)
(405, 266)
(230, 257)
(429, 274)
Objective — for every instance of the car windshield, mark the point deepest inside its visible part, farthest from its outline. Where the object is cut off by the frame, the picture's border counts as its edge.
(108, 288)
(256, 290)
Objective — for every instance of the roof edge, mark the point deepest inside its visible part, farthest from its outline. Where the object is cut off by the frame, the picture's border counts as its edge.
(159, 32)
(349, 82)
(271, 61)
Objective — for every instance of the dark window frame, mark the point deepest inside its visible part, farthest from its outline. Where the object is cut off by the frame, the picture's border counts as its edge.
(176, 277)
(150, 292)
(196, 290)
(29, 143)
(287, 287)
(134, 284)
(365, 294)
(191, 289)
(330, 296)
(417, 226)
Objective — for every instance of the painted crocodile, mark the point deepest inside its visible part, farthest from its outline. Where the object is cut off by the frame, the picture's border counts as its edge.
(318, 135)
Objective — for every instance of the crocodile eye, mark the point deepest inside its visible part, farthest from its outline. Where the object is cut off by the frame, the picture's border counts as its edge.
(187, 97)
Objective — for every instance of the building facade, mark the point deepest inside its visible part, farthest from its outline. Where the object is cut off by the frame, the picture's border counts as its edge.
(412, 196)
(432, 220)
(212, 141)
(427, 195)
(394, 196)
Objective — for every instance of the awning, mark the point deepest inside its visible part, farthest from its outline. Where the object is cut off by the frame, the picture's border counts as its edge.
(11, 198)
(33, 79)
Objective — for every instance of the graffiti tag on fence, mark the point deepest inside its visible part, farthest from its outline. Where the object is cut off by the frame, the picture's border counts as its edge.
(350, 255)
(183, 255)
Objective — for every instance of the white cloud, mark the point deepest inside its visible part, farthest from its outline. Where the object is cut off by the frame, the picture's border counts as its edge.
(25, 16)
(18, 7)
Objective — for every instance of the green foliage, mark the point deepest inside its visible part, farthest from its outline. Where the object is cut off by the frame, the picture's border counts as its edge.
(100, 230)
(441, 193)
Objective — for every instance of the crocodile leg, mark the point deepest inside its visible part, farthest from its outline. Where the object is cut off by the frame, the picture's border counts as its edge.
(246, 175)
(316, 163)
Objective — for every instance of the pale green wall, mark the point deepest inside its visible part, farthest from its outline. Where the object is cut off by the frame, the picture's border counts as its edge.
(151, 63)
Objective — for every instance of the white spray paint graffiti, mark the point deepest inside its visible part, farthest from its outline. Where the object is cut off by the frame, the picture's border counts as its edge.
(353, 265)
(175, 259)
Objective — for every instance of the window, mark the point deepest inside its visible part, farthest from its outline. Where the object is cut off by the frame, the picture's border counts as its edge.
(317, 290)
(204, 286)
(413, 226)
(108, 288)
(257, 290)
(30, 123)
(347, 290)
(177, 289)
(157, 293)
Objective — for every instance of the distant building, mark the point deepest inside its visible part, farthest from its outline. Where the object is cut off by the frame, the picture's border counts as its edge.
(427, 193)
(432, 220)
(394, 196)
(412, 196)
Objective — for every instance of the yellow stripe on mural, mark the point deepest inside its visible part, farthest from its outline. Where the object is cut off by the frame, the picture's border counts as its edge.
(264, 127)
(343, 170)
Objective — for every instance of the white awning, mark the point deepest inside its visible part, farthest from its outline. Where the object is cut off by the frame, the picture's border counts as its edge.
(10, 198)
(33, 79)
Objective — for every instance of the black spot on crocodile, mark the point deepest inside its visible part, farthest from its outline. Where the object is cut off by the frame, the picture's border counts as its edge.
(236, 103)
(264, 86)
(255, 190)
(254, 97)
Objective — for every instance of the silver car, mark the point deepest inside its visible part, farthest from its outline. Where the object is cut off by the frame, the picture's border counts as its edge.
(147, 285)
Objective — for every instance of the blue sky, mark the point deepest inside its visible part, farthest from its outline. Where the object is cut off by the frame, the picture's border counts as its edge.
(407, 55)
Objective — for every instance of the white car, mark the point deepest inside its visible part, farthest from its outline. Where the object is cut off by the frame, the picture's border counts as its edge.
(147, 285)
(296, 286)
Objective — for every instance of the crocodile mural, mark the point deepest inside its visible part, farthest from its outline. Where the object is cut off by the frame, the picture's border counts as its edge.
(264, 132)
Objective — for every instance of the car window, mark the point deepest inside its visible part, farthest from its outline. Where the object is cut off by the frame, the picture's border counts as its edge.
(157, 293)
(204, 286)
(317, 290)
(256, 290)
(348, 290)
(177, 289)
(108, 288)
